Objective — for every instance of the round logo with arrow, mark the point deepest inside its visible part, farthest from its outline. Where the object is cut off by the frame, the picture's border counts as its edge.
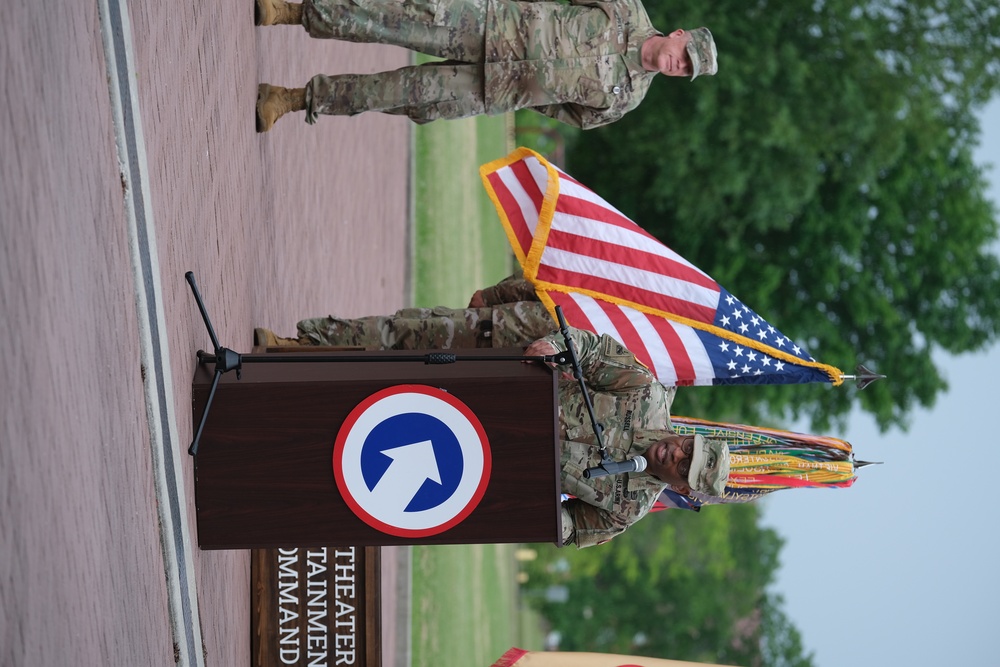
(412, 461)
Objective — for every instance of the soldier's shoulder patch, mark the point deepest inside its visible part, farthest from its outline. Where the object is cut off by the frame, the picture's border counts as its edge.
(612, 349)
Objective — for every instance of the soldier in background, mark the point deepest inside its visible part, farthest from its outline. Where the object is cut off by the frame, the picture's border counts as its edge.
(630, 404)
(585, 63)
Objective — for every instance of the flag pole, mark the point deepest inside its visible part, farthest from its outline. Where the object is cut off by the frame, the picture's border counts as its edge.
(864, 376)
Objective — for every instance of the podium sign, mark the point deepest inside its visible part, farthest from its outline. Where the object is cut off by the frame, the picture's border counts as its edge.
(315, 606)
(316, 453)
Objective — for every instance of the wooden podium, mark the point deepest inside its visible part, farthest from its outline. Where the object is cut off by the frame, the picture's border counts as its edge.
(268, 472)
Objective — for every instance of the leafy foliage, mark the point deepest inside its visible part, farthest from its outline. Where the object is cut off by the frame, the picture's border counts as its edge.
(825, 177)
(684, 586)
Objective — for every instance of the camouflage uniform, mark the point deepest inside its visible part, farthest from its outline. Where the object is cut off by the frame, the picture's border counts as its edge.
(512, 317)
(509, 290)
(508, 325)
(634, 411)
(578, 62)
(632, 406)
(627, 400)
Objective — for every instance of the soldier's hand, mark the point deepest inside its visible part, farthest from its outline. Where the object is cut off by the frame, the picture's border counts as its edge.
(541, 348)
(477, 300)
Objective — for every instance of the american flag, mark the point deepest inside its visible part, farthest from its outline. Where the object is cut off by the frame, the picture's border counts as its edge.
(612, 277)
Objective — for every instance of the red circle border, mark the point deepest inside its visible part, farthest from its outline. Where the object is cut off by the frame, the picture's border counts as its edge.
(351, 420)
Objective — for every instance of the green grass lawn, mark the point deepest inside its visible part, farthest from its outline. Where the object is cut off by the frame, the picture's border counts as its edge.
(465, 604)
(459, 244)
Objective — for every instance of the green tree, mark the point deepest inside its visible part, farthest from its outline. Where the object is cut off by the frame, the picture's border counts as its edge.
(685, 585)
(780, 641)
(825, 176)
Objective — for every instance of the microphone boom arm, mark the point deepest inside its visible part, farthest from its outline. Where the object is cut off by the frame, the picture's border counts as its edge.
(607, 466)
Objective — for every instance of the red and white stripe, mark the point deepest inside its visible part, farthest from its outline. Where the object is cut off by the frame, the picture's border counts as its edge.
(672, 351)
(592, 247)
(520, 189)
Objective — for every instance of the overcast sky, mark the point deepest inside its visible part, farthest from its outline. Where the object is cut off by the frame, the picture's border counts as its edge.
(901, 568)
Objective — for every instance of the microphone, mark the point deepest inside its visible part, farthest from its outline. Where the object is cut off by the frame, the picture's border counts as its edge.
(637, 464)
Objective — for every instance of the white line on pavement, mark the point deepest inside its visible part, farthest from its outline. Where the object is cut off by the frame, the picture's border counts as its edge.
(166, 449)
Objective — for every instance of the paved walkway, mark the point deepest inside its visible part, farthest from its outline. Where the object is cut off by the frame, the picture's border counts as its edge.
(128, 158)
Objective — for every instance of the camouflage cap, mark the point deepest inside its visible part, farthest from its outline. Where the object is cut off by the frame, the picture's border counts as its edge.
(709, 466)
(701, 49)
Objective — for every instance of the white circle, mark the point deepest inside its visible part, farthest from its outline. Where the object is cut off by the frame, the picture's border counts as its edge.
(388, 508)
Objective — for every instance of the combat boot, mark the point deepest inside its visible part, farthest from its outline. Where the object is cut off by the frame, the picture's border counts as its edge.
(273, 102)
(276, 12)
(267, 338)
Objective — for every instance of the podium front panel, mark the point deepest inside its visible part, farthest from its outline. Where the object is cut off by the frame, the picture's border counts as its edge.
(264, 473)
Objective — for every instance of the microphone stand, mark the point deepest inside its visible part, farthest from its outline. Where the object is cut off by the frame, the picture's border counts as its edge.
(607, 466)
(227, 360)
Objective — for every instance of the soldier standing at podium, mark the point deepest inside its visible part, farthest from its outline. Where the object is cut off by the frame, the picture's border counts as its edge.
(632, 406)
